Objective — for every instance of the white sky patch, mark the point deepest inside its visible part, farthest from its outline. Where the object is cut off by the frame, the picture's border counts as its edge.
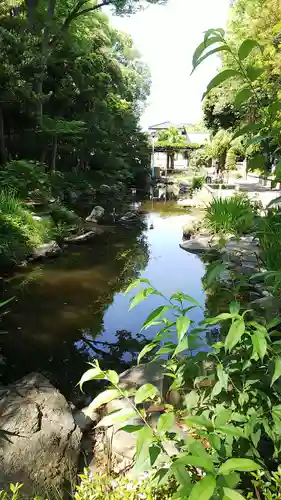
(167, 37)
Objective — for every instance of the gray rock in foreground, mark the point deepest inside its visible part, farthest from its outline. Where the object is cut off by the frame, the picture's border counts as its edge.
(39, 441)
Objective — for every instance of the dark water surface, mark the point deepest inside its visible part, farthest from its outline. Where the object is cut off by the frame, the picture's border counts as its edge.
(72, 309)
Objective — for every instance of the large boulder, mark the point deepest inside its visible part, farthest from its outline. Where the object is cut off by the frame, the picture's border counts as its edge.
(96, 214)
(39, 441)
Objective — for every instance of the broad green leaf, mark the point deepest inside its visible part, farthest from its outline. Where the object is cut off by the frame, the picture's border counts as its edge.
(153, 316)
(217, 319)
(216, 389)
(146, 392)
(199, 420)
(238, 464)
(214, 271)
(205, 462)
(154, 452)
(112, 376)
(191, 400)
(277, 370)
(220, 78)
(254, 73)
(202, 47)
(222, 376)
(181, 474)
(182, 325)
(246, 48)
(223, 417)
(276, 411)
(232, 495)
(232, 479)
(179, 296)
(259, 344)
(235, 333)
(257, 140)
(182, 346)
(231, 430)
(132, 428)
(105, 397)
(274, 202)
(273, 322)
(248, 129)
(147, 348)
(165, 422)
(220, 48)
(117, 416)
(219, 32)
(243, 398)
(135, 284)
(141, 295)
(145, 438)
(92, 374)
(204, 489)
(243, 96)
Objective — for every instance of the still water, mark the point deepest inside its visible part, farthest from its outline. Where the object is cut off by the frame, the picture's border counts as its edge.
(71, 309)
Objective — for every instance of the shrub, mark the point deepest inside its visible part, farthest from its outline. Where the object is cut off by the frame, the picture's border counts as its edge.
(233, 215)
(269, 234)
(26, 179)
(20, 232)
(197, 183)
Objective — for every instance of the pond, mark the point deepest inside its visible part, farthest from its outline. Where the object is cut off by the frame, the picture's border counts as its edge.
(68, 310)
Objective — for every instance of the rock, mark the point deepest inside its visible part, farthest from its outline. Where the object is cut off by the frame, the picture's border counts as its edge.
(50, 249)
(129, 217)
(245, 246)
(200, 243)
(247, 270)
(40, 442)
(81, 237)
(146, 373)
(85, 418)
(96, 214)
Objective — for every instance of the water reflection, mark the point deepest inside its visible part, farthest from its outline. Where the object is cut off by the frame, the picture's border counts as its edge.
(72, 309)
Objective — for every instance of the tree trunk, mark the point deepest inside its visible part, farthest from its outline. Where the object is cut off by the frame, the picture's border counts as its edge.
(3, 151)
(167, 160)
(54, 154)
(172, 160)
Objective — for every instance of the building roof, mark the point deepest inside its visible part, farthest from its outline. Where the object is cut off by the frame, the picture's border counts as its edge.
(197, 137)
(166, 125)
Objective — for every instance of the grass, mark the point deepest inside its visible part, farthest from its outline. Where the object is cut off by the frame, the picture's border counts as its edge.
(233, 215)
(20, 232)
(269, 234)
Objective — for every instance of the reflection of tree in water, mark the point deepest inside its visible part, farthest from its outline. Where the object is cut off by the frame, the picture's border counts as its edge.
(69, 296)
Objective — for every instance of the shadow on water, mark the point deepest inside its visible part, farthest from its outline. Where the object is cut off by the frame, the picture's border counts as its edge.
(72, 309)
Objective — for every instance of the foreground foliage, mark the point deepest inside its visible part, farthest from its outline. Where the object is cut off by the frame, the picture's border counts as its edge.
(231, 215)
(228, 421)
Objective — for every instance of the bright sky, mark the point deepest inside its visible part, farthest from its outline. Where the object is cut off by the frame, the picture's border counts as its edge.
(167, 37)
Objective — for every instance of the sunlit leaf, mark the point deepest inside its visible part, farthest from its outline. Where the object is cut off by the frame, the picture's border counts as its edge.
(141, 295)
(246, 48)
(112, 376)
(146, 349)
(238, 464)
(117, 416)
(234, 307)
(153, 316)
(154, 452)
(181, 475)
(182, 326)
(165, 422)
(230, 494)
(205, 462)
(182, 346)
(231, 430)
(145, 438)
(146, 392)
(204, 489)
(242, 96)
(92, 374)
(254, 73)
(135, 284)
(105, 397)
(199, 420)
(191, 400)
(220, 78)
(235, 333)
(259, 344)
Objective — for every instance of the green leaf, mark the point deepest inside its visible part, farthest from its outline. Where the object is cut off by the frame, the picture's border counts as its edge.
(135, 284)
(144, 439)
(276, 411)
(242, 96)
(117, 416)
(254, 73)
(145, 393)
(132, 428)
(92, 374)
(214, 271)
(243, 398)
(223, 417)
(221, 48)
(153, 316)
(165, 422)
(205, 462)
(216, 389)
(231, 430)
(248, 129)
(201, 48)
(220, 78)
(259, 344)
(238, 464)
(234, 307)
(222, 376)
(141, 295)
(246, 48)
(182, 326)
(181, 474)
(235, 333)
(182, 346)
(191, 400)
(199, 420)
(204, 489)
(146, 349)
(277, 370)
(274, 202)
(154, 452)
(219, 32)
(112, 376)
(105, 397)
(232, 495)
